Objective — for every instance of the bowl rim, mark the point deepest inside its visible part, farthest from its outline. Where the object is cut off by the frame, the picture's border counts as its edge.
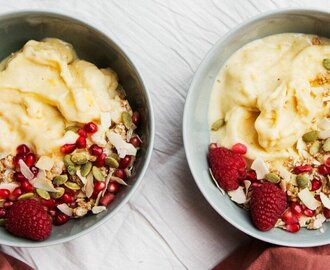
(195, 81)
(148, 151)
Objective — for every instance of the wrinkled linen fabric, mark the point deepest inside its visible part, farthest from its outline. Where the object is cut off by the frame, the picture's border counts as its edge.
(167, 224)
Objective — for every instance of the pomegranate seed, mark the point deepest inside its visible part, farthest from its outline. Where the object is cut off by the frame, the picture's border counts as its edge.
(308, 212)
(316, 184)
(34, 170)
(100, 160)
(68, 148)
(7, 204)
(293, 228)
(22, 149)
(99, 186)
(90, 127)
(256, 184)
(136, 118)
(81, 142)
(326, 213)
(52, 212)
(289, 218)
(296, 209)
(251, 175)
(327, 162)
(15, 194)
(70, 192)
(67, 198)
(95, 150)
(317, 197)
(2, 212)
(324, 170)
(120, 173)
(61, 219)
(17, 158)
(26, 186)
(137, 143)
(211, 146)
(30, 159)
(239, 148)
(107, 199)
(4, 193)
(82, 133)
(18, 176)
(302, 169)
(50, 204)
(113, 187)
(73, 205)
(124, 162)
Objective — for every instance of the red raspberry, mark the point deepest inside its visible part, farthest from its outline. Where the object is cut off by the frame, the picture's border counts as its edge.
(268, 202)
(227, 167)
(28, 219)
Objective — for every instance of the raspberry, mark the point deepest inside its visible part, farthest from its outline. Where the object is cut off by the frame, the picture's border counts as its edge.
(268, 202)
(28, 219)
(227, 167)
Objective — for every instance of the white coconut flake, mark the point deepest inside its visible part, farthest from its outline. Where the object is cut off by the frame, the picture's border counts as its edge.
(44, 184)
(308, 199)
(98, 209)
(25, 170)
(324, 124)
(237, 195)
(247, 184)
(105, 120)
(89, 186)
(99, 137)
(107, 181)
(123, 148)
(41, 174)
(118, 180)
(64, 208)
(9, 186)
(216, 182)
(82, 178)
(303, 220)
(45, 163)
(285, 174)
(325, 200)
(320, 218)
(68, 138)
(260, 168)
(300, 145)
(98, 199)
(324, 134)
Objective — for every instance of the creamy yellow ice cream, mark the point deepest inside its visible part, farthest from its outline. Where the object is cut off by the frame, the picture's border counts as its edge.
(270, 92)
(43, 88)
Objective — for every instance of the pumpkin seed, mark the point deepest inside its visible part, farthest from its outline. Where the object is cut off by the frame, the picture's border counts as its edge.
(67, 161)
(26, 196)
(115, 156)
(85, 169)
(127, 119)
(79, 158)
(111, 162)
(72, 185)
(311, 136)
(60, 179)
(72, 128)
(71, 170)
(97, 173)
(302, 180)
(43, 193)
(326, 63)
(2, 221)
(217, 124)
(315, 147)
(59, 194)
(272, 178)
(326, 145)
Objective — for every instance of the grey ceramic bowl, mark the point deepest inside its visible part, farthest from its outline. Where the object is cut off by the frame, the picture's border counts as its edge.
(195, 121)
(15, 30)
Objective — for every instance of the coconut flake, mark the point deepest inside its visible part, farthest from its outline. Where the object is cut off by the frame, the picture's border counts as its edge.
(320, 218)
(324, 124)
(260, 168)
(64, 208)
(98, 199)
(308, 199)
(123, 148)
(44, 184)
(300, 145)
(325, 200)
(25, 170)
(303, 220)
(68, 138)
(105, 120)
(324, 134)
(285, 174)
(89, 186)
(216, 182)
(98, 209)
(118, 180)
(237, 195)
(107, 180)
(45, 163)
(10, 186)
(99, 137)
(82, 178)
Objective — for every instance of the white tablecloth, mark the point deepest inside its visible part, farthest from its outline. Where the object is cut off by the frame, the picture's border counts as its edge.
(167, 224)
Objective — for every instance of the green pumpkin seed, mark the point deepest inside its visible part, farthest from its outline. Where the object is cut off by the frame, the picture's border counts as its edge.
(302, 180)
(72, 128)
(79, 158)
(311, 136)
(272, 178)
(26, 196)
(326, 145)
(67, 161)
(85, 169)
(217, 124)
(111, 162)
(326, 63)
(59, 194)
(115, 156)
(315, 148)
(127, 119)
(60, 179)
(97, 173)
(72, 185)
(43, 193)
(72, 170)
(2, 222)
